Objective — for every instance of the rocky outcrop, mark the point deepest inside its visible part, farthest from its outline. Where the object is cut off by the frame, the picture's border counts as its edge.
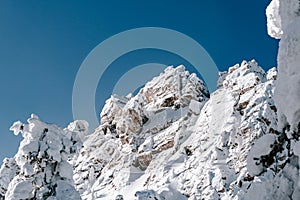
(130, 134)
(181, 144)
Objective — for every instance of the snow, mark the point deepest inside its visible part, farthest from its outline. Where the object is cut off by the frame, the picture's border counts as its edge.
(66, 191)
(296, 150)
(195, 107)
(174, 140)
(136, 124)
(262, 147)
(81, 127)
(20, 190)
(16, 127)
(41, 167)
(284, 23)
(198, 150)
(274, 20)
(169, 143)
(7, 172)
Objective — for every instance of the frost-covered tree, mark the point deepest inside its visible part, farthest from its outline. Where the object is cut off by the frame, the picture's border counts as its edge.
(42, 167)
(8, 170)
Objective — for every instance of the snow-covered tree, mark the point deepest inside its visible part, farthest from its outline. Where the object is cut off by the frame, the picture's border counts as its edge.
(42, 167)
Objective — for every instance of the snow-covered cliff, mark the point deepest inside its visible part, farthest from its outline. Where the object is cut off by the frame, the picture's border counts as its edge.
(184, 145)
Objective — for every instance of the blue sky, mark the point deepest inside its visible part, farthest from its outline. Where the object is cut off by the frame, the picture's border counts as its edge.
(43, 43)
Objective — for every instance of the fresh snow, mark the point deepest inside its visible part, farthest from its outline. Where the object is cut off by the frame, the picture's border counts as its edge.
(42, 167)
(192, 150)
(284, 22)
(174, 140)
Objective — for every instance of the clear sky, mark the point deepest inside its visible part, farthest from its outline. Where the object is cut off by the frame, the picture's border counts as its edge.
(43, 43)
